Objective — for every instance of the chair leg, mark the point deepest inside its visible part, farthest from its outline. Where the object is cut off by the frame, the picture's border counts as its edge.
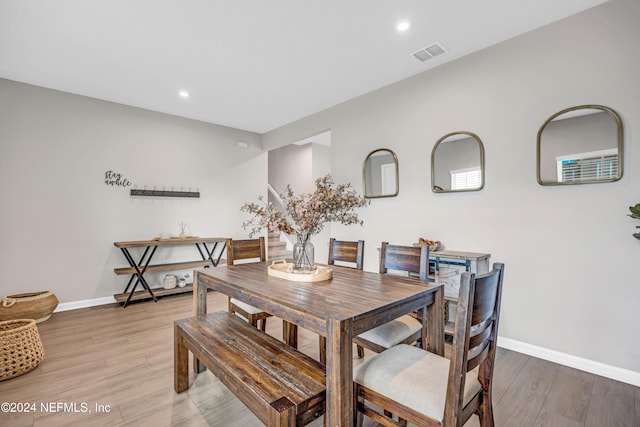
(322, 344)
(485, 411)
(358, 418)
(253, 320)
(360, 350)
(290, 333)
(263, 324)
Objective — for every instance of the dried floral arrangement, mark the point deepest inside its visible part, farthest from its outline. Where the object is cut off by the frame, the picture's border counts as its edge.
(306, 213)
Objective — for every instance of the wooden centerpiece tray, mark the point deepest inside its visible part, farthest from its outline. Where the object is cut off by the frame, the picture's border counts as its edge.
(284, 270)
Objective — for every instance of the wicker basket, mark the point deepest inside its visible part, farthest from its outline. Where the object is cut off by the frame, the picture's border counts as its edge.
(20, 348)
(33, 305)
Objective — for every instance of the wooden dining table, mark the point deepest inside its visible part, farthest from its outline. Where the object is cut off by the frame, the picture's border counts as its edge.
(350, 303)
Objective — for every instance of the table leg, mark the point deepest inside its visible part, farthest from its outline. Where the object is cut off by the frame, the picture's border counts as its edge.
(140, 269)
(199, 309)
(180, 362)
(339, 409)
(435, 323)
(210, 253)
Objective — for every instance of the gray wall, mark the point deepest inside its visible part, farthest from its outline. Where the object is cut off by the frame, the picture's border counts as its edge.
(571, 285)
(59, 219)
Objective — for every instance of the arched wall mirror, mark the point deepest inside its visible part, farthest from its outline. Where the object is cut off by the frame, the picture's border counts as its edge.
(580, 145)
(380, 174)
(457, 163)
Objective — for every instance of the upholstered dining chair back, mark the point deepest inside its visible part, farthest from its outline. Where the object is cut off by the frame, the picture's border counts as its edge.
(426, 389)
(345, 251)
(412, 259)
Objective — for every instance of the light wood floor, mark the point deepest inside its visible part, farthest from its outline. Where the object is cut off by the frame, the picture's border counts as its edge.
(122, 361)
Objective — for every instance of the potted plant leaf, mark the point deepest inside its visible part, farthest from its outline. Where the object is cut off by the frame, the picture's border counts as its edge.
(635, 213)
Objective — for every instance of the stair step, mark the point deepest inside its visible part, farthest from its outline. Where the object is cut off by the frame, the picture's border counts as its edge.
(283, 255)
(279, 251)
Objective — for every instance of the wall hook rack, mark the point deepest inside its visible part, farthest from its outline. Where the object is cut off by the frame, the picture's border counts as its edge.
(164, 193)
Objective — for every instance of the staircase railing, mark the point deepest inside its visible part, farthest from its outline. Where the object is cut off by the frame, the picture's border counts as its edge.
(275, 198)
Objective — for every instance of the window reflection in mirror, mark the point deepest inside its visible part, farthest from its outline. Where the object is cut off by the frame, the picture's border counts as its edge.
(380, 174)
(457, 163)
(580, 145)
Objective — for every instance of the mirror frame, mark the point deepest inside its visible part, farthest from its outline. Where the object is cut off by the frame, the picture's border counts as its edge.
(433, 155)
(364, 174)
(620, 144)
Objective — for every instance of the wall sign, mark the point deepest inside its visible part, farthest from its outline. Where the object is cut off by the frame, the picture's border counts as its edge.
(116, 179)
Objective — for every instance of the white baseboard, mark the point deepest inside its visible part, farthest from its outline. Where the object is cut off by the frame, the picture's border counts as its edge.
(597, 368)
(73, 305)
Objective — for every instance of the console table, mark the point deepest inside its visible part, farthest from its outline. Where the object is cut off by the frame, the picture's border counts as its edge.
(209, 248)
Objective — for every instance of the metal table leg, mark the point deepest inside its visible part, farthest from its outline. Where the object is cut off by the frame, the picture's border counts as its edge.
(139, 272)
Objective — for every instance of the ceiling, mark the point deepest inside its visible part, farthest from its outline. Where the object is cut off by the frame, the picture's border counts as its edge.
(249, 64)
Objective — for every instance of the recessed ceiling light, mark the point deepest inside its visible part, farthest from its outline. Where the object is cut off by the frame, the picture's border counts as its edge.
(403, 26)
(183, 94)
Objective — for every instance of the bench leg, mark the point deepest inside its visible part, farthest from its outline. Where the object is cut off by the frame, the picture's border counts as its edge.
(282, 413)
(180, 362)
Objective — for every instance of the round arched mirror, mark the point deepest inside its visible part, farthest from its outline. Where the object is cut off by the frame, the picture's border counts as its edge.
(380, 174)
(457, 163)
(580, 145)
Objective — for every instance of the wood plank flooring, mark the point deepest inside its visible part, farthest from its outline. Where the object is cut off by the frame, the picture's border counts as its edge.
(116, 366)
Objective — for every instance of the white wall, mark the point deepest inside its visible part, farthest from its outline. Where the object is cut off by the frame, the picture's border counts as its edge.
(291, 165)
(571, 281)
(58, 219)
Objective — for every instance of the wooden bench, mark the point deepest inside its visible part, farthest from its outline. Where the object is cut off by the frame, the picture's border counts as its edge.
(280, 385)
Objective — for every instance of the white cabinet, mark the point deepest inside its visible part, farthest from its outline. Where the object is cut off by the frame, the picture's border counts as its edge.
(447, 266)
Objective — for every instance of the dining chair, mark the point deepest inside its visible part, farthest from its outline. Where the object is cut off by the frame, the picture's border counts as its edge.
(245, 250)
(430, 390)
(406, 329)
(347, 253)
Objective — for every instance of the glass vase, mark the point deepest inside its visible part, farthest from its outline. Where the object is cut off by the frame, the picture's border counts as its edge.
(303, 254)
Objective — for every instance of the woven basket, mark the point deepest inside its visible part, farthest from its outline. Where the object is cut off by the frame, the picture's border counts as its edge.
(20, 347)
(32, 305)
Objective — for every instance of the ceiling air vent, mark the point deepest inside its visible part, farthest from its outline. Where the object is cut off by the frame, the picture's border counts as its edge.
(429, 52)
